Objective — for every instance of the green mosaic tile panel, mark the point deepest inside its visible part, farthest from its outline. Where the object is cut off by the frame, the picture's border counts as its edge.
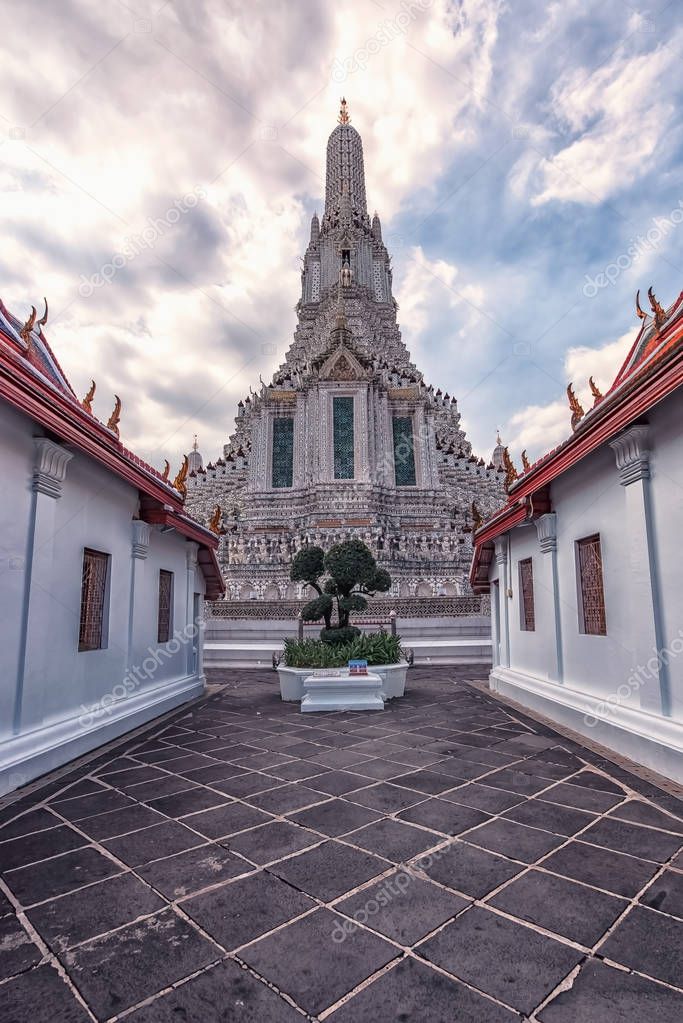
(283, 452)
(342, 420)
(404, 451)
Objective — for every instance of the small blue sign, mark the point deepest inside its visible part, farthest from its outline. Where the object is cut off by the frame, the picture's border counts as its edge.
(358, 667)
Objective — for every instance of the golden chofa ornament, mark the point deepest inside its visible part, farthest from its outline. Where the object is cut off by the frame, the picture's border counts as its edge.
(179, 481)
(87, 401)
(575, 407)
(115, 417)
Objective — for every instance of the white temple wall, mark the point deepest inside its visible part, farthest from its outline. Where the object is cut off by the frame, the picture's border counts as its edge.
(56, 702)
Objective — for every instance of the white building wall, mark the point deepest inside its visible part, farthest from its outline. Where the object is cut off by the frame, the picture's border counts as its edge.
(57, 702)
(609, 688)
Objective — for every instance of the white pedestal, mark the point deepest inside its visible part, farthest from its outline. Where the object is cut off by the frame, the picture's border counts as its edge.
(342, 692)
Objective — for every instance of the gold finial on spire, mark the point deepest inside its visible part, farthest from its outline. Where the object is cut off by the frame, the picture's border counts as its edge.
(575, 407)
(510, 471)
(344, 113)
(639, 312)
(167, 469)
(115, 417)
(25, 332)
(498, 440)
(525, 461)
(660, 315)
(179, 481)
(194, 445)
(595, 391)
(87, 401)
(215, 521)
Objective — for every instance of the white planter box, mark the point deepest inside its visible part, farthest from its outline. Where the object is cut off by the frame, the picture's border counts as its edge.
(342, 691)
(292, 679)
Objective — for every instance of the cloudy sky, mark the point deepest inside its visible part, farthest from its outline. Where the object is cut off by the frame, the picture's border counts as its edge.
(525, 158)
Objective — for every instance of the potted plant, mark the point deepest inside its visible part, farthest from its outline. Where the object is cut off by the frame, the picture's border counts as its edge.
(342, 578)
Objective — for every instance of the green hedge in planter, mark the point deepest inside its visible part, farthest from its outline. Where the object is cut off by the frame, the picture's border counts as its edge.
(373, 647)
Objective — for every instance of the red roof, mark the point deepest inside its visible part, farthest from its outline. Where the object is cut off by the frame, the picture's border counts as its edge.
(32, 381)
(652, 370)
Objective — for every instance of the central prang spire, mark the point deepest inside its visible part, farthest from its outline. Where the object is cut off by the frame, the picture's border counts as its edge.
(345, 171)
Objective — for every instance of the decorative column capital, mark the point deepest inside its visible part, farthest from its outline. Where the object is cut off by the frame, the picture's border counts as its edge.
(632, 454)
(546, 530)
(141, 534)
(49, 467)
(191, 551)
(501, 549)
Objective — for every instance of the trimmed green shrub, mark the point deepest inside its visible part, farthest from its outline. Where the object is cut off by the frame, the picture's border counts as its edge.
(374, 647)
(335, 637)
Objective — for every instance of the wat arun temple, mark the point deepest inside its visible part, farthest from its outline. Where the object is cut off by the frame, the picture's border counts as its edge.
(348, 439)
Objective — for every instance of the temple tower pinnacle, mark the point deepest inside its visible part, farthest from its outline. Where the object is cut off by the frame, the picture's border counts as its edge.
(345, 167)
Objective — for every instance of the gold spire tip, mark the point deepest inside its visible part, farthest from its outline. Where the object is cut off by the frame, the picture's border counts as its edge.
(344, 113)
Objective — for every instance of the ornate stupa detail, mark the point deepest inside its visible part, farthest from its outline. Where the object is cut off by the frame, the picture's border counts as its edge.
(347, 438)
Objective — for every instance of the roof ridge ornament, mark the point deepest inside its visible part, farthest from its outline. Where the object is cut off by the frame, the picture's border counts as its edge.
(179, 481)
(595, 391)
(639, 312)
(659, 313)
(25, 332)
(115, 417)
(87, 401)
(343, 113)
(575, 407)
(43, 319)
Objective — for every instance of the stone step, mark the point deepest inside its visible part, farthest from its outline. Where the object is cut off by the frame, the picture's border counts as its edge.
(238, 653)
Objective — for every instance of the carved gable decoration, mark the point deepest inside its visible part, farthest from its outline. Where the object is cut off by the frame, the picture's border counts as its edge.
(342, 365)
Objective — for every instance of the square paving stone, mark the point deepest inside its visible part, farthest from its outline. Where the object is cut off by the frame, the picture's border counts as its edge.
(93, 910)
(134, 776)
(229, 753)
(329, 870)
(225, 993)
(517, 781)
(79, 807)
(505, 959)
(483, 797)
(153, 843)
(601, 994)
(61, 874)
(120, 822)
(446, 817)
(336, 783)
(623, 875)
(428, 782)
(41, 996)
(38, 846)
(415, 757)
(317, 981)
(413, 991)
(270, 842)
(166, 786)
(386, 798)
(645, 813)
(188, 872)
(190, 801)
(296, 770)
(245, 784)
(380, 770)
(207, 775)
(591, 780)
(17, 951)
(393, 839)
(335, 817)
(226, 820)
(340, 758)
(460, 770)
(472, 871)
(559, 905)
(245, 909)
(35, 820)
(190, 762)
(262, 761)
(518, 841)
(286, 798)
(666, 894)
(303, 750)
(156, 952)
(560, 820)
(402, 907)
(580, 797)
(648, 942)
(633, 839)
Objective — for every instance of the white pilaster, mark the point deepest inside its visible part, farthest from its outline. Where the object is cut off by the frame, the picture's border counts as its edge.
(141, 532)
(194, 643)
(633, 466)
(501, 549)
(546, 529)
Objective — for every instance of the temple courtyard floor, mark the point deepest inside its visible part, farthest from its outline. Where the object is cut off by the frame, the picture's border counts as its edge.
(447, 859)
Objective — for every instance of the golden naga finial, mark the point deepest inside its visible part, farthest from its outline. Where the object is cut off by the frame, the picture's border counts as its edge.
(660, 315)
(525, 461)
(575, 406)
(43, 319)
(639, 312)
(87, 401)
(115, 417)
(477, 517)
(595, 391)
(25, 332)
(167, 469)
(215, 520)
(179, 481)
(344, 113)
(511, 473)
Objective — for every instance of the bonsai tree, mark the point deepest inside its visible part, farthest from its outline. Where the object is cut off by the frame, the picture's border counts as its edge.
(342, 578)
